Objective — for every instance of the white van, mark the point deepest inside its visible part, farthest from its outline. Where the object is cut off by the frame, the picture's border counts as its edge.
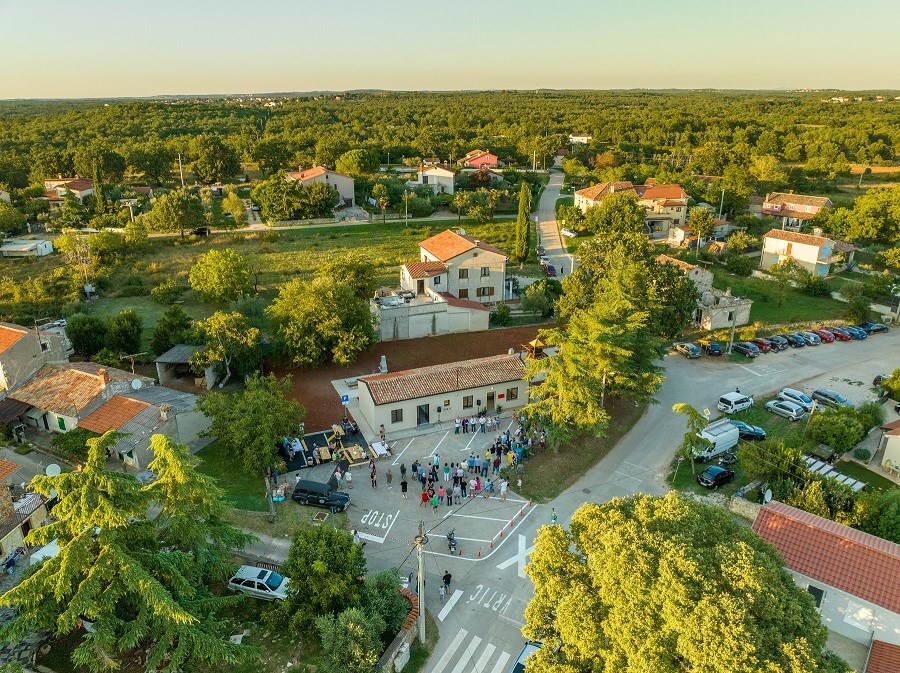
(732, 402)
(722, 435)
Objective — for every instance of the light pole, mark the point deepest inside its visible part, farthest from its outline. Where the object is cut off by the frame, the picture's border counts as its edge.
(406, 205)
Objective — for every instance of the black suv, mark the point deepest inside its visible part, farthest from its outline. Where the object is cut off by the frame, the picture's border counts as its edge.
(320, 495)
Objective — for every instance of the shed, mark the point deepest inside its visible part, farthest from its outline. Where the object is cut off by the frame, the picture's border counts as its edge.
(26, 248)
(176, 363)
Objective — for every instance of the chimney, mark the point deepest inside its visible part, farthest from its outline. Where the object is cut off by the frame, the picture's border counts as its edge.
(164, 410)
(612, 188)
(817, 231)
(103, 375)
(383, 366)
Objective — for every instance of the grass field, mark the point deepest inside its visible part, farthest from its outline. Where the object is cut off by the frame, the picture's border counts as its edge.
(874, 480)
(564, 201)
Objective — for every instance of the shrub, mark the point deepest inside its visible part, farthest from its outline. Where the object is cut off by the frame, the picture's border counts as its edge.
(87, 334)
(840, 430)
(739, 265)
(500, 316)
(870, 414)
(862, 454)
(73, 442)
(167, 292)
(814, 286)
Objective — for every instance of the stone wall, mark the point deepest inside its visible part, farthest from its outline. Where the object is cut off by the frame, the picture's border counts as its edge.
(405, 636)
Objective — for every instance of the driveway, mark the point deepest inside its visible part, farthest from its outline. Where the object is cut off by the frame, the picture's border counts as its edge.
(547, 228)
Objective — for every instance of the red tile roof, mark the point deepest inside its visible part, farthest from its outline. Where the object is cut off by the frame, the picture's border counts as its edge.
(424, 269)
(859, 563)
(7, 469)
(780, 198)
(447, 378)
(80, 184)
(112, 414)
(794, 237)
(303, 176)
(463, 303)
(883, 658)
(9, 335)
(662, 192)
(448, 244)
(600, 191)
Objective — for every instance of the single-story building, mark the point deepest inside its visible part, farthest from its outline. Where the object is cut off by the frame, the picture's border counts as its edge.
(854, 577)
(140, 414)
(176, 363)
(401, 316)
(890, 447)
(19, 516)
(26, 248)
(406, 399)
(340, 183)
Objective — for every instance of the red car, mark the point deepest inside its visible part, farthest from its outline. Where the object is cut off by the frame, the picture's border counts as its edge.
(763, 344)
(826, 336)
(838, 333)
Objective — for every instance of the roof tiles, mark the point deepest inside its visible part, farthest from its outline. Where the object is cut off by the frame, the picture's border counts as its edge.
(780, 198)
(883, 658)
(448, 244)
(7, 469)
(112, 414)
(794, 237)
(859, 563)
(425, 269)
(9, 335)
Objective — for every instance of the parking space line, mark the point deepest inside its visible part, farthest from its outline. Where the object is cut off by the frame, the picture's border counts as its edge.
(471, 539)
(475, 516)
(438, 444)
(749, 370)
(449, 605)
(397, 459)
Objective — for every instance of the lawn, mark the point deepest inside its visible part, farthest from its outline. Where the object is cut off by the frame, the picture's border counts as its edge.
(776, 427)
(685, 480)
(241, 491)
(547, 474)
(564, 201)
(874, 480)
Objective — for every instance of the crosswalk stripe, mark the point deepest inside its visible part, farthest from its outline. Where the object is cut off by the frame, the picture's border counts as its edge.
(450, 651)
(464, 659)
(449, 605)
(482, 661)
(501, 662)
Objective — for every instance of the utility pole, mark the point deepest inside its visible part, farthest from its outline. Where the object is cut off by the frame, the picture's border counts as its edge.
(421, 541)
(731, 336)
(533, 161)
(181, 170)
(721, 204)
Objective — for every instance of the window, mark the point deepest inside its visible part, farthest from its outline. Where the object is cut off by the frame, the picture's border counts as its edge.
(464, 274)
(437, 280)
(485, 271)
(446, 404)
(463, 293)
(61, 422)
(485, 292)
(731, 316)
(817, 593)
(424, 179)
(396, 415)
(512, 393)
(468, 402)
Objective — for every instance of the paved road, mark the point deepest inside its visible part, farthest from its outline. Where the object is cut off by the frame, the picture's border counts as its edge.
(485, 619)
(548, 231)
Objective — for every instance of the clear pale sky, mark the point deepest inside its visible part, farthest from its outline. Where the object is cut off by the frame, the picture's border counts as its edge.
(108, 48)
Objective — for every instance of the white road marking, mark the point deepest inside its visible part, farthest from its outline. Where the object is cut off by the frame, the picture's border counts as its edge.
(755, 373)
(390, 524)
(438, 444)
(501, 662)
(397, 459)
(464, 659)
(475, 516)
(448, 606)
(450, 651)
(483, 659)
(521, 558)
(498, 543)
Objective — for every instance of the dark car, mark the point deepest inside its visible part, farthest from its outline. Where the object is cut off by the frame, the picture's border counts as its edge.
(715, 476)
(749, 432)
(795, 341)
(873, 327)
(826, 336)
(831, 397)
(321, 495)
(838, 333)
(713, 348)
(763, 344)
(855, 332)
(550, 270)
(879, 378)
(200, 231)
(540, 250)
(746, 348)
(778, 342)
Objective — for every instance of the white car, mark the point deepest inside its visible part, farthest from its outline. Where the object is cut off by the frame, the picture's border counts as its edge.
(260, 583)
(789, 410)
(798, 397)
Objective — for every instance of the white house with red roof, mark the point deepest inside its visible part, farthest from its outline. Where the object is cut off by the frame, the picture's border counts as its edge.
(342, 184)
(814, 252)
(794, 209)
(55, 190)
(853, 577)
(666, 205)
(480, 159)
(449, 289)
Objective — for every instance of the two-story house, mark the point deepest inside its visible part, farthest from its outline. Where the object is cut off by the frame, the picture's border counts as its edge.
(56, 189)
(793, 209)
(342, 184)
(24, 351)
(18, 515)
(666, 206)
(475, 269)
(441, 179)
(479, 159)
(815, 253)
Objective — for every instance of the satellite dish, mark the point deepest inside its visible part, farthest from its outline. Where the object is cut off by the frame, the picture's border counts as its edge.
(706, 412)
(767, 496)
(52, 470)
(53, 493)
(137, 384)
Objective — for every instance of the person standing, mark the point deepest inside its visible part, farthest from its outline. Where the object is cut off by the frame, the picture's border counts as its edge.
(434, 502)
(390, 477)
(446, 472)
(404, 487)
(457, 493)
(436, 460)
(446, 579)
(463, 486)
(337, 477)
(441, 494)
(483, 423)
(349, 477)
(465, 426)
(553, 516)
(403, 470)
(504, 486)
(374, 479)
(457, 425)
(442, 590)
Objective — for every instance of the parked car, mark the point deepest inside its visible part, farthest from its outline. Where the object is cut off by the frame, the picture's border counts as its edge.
(795, 341)
(831, 397)
(550, 270)
(727, 458)
(531, 646)
(855, 332)
(786, 409)
(715, 476)
(200, 231)
(713, 348)
(688, 350)
(778, 342)
(879, 378)
(810, 338)
(321, 495)
(749, 432)
(798, 397)
(746, 348)
(873, 327)
(762, 344)
(260, 583)
(826, 336)
(543, 260)
(838, 333)
(734, 402)
(540, 250)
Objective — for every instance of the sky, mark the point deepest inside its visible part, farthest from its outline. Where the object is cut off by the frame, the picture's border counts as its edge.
(115, 48)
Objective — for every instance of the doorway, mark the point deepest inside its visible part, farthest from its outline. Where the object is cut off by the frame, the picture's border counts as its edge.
(490, 401)
(420, 287)
(422, 414)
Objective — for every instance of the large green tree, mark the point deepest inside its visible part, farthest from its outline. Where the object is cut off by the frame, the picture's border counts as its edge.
(250, 423)
(876, 217)
(523, 222)
(179, 211)
(154, 160)
(617, 214)
(87, 333)
(12, 221)
(354, 271)
(220, 276)
(357, 162)
(174, 327)
(230, 344)
(123, 332)
(667, 585)
(216, 161)
(319, 320)
(701, 222)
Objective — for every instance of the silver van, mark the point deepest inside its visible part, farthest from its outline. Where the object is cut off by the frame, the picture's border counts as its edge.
(732, 402)
(798, 397)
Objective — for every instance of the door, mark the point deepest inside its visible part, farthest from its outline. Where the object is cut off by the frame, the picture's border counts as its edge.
(420, 287)
(490, 401)
(422, 414)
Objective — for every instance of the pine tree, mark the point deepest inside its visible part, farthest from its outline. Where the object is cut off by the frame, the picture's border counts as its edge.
(99, 197)
(520, 248)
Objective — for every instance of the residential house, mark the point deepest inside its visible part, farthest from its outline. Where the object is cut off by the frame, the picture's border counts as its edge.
(24, 351)
(447, 290)
(17, 516)
(55, 190)
(26, 248)
(716, 309)
(342, 184)
(407, 399)
(794, 209)
(176, 363)
(579, 138)
(853, 577)
(890, 448)
(682, 235)
(479, 159)
(140, 414)
(431, 161)
(440, 178)
(755, 205)
(666, 205)
(815, 253)
(60, 396)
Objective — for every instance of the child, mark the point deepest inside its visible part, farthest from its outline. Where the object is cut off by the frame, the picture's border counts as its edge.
(349, 478)
(442, 591)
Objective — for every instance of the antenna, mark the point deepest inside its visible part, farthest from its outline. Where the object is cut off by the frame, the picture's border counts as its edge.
(131, 358)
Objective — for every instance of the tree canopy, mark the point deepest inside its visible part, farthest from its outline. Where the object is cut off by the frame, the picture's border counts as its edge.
(667, 585)
(220, 276)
